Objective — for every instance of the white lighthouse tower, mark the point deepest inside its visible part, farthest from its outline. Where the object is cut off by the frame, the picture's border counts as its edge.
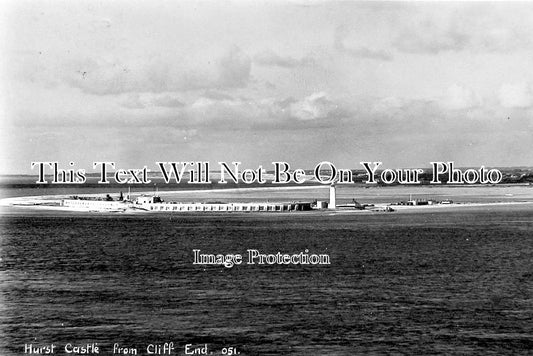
(332, 197)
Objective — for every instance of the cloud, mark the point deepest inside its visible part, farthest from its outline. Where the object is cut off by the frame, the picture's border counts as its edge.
(431, 36)
(516, 95)
(352, 43)
(272, 59)
(315, 106)
(424, 29)
(100, 24)
(132, 101)
(217, 95)
(365, 52)
(158, 74)
(167, 100)
(247, 113)
(148, 100)
(234, 69)
(460, 98)
(470, 27)
(218, 113)
(110, 76)
(389, 106)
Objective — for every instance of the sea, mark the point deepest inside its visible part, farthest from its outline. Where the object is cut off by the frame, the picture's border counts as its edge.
(423, 282)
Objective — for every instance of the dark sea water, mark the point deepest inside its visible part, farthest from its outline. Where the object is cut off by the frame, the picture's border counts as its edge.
(447, 282)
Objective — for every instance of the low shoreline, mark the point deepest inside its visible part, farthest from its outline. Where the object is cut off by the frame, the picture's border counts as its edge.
(48, 198)
(52, 202)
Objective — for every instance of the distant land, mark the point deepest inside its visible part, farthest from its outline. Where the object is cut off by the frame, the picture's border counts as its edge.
(511, 175)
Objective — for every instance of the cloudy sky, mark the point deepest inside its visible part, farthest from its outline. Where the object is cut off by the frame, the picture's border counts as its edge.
(299, 81)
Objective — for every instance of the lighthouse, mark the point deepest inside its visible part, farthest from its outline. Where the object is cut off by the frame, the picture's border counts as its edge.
(332, 197)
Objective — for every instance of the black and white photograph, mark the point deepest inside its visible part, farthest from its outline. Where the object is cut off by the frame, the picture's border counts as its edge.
(288, 177)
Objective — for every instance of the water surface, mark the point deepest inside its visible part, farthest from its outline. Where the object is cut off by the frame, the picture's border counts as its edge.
(415, 283)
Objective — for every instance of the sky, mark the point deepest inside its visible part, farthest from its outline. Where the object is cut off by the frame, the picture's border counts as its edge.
(136, 82)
